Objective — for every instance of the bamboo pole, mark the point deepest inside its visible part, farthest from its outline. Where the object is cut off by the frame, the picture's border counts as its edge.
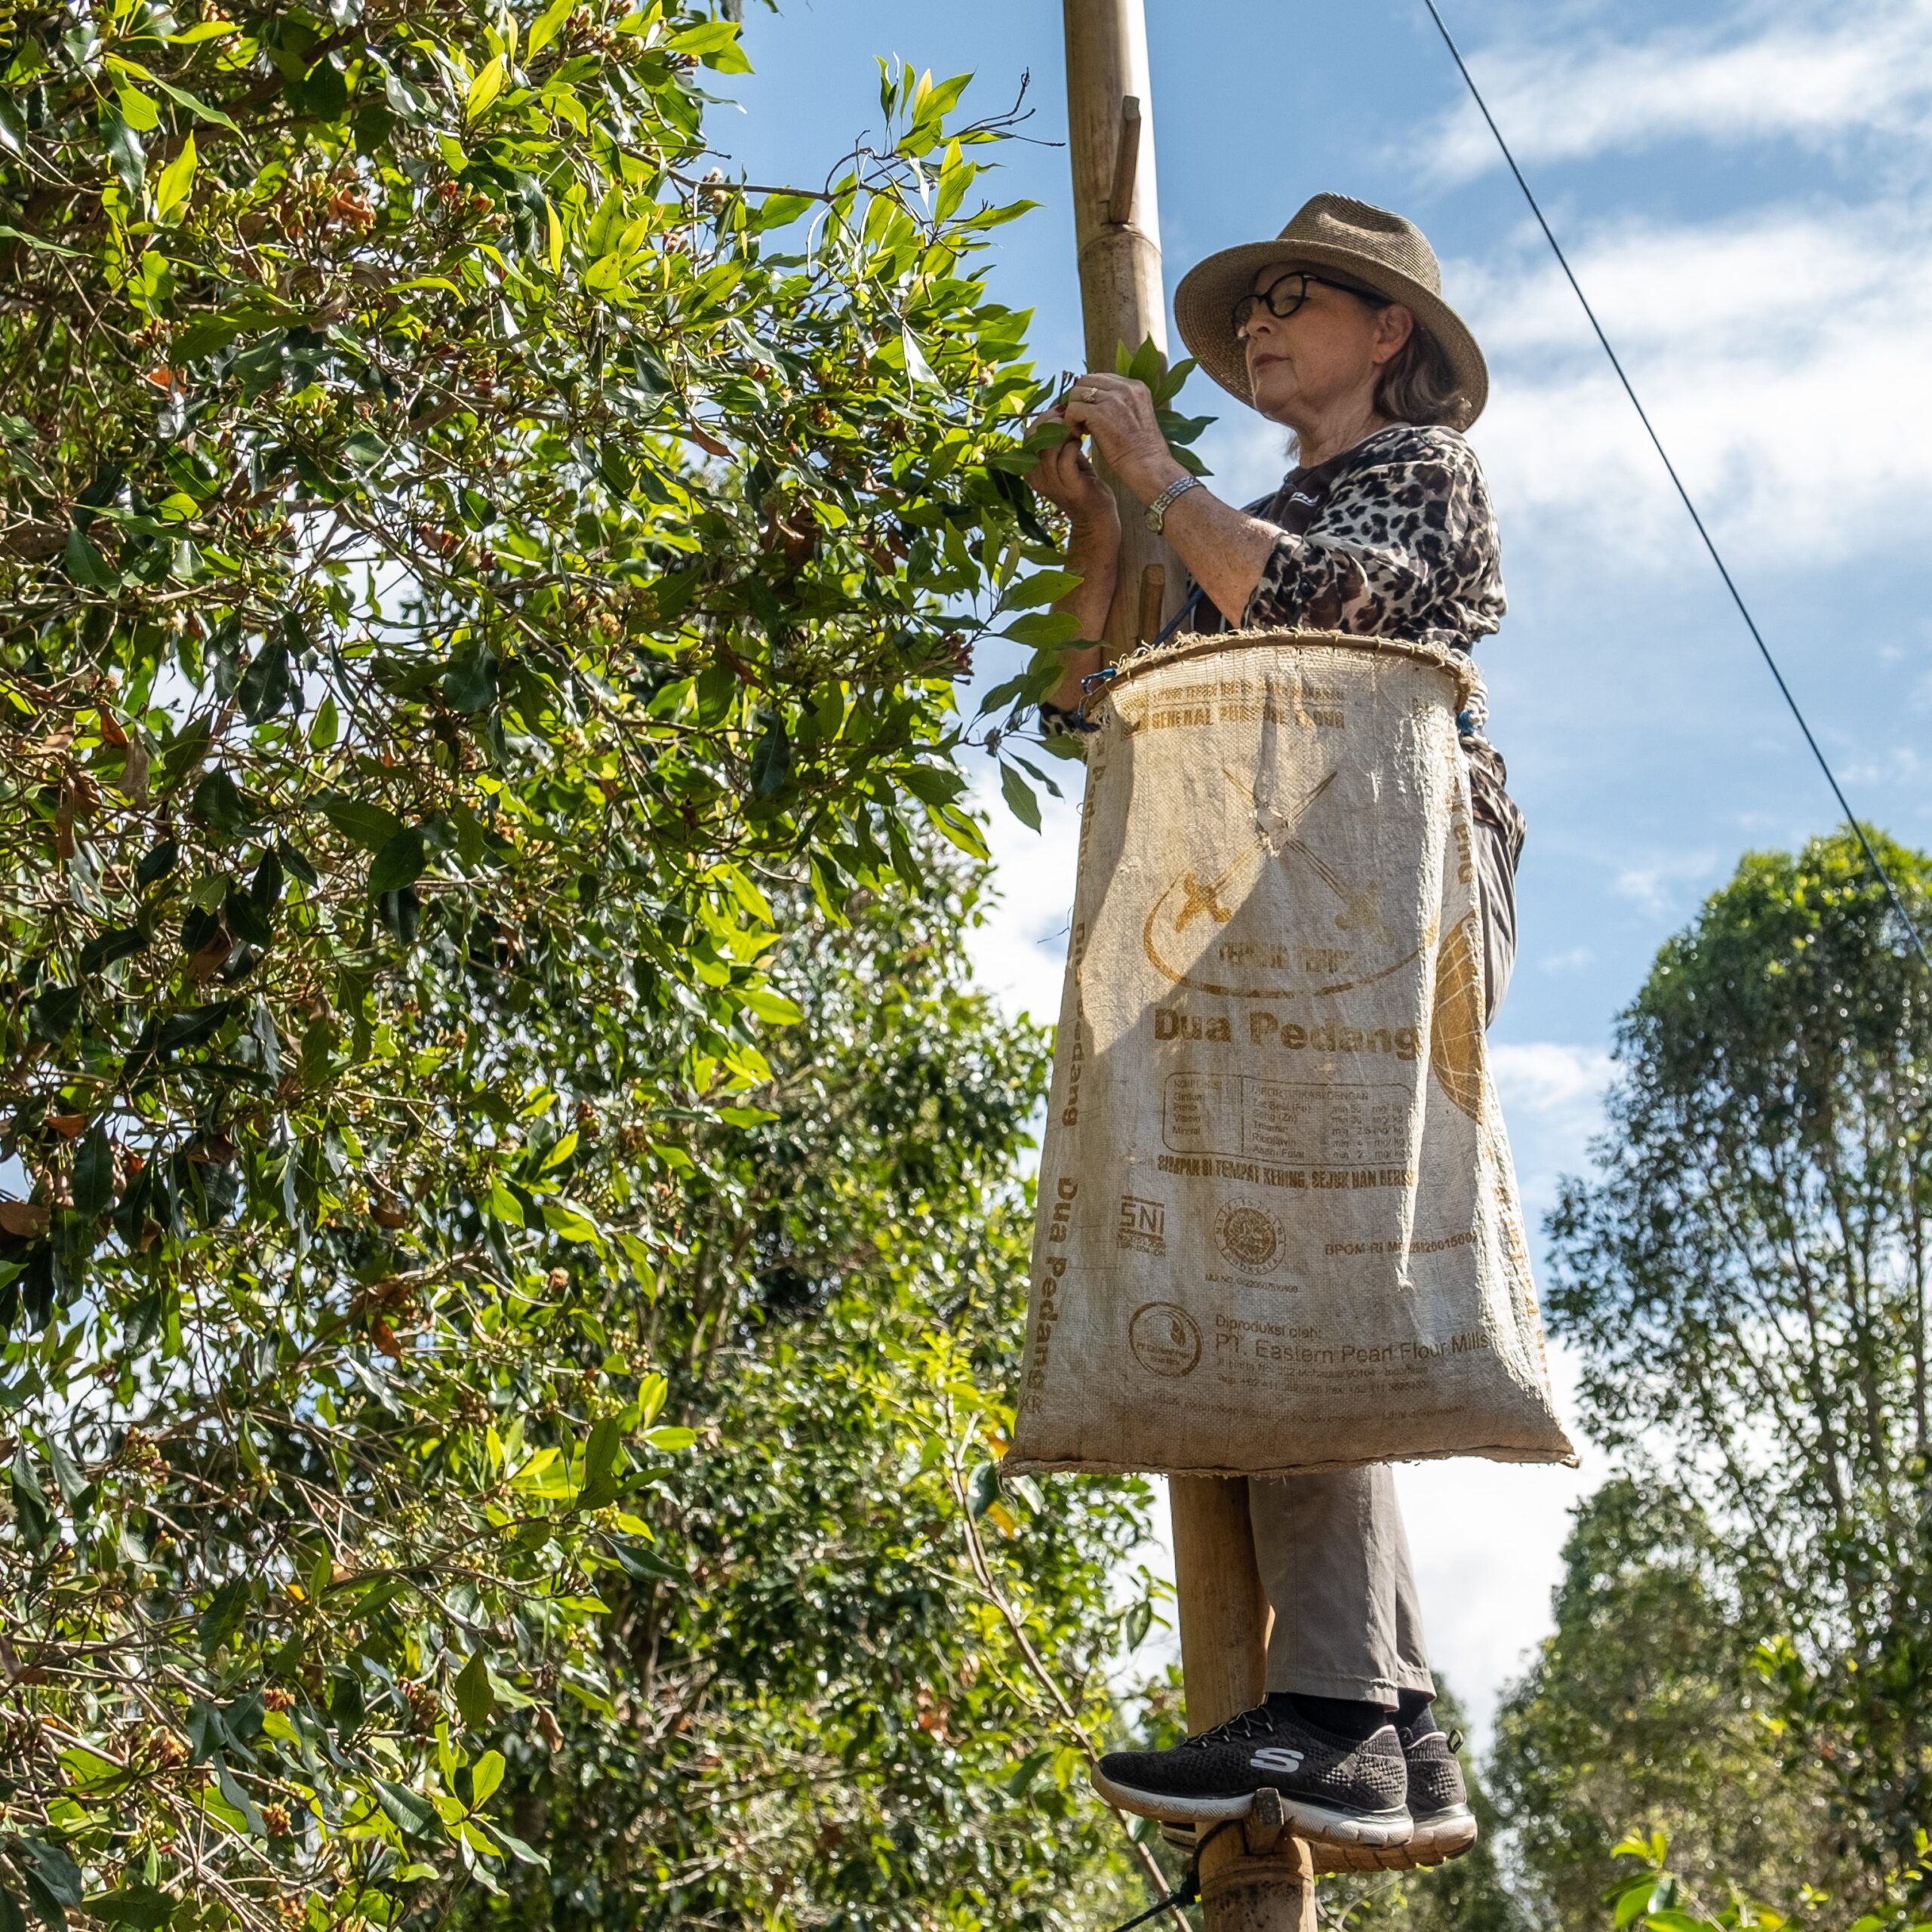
(1257, 1881)
(1117, 231)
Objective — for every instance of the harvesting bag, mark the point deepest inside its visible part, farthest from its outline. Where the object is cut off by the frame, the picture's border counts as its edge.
(1278, 1226)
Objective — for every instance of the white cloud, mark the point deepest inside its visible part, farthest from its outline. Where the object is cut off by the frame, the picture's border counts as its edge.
(1656, 885)
(1019, 953)
(1560, 1083)
(1779, 352)
(1762, 73)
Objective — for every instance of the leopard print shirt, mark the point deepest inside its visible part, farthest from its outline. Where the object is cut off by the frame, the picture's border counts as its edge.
(1403, 545)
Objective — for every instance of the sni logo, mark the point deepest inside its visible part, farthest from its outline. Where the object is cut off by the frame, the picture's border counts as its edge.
(1276, 1758)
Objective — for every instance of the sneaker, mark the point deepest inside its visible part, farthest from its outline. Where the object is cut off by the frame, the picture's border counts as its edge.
(1444, 1827)
(1333, 1792)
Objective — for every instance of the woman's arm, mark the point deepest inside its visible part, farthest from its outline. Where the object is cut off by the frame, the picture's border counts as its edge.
(1224, 548)
(1065, 478)
(1093, 550)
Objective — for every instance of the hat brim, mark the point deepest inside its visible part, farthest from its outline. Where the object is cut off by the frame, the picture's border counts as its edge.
(1203, 307)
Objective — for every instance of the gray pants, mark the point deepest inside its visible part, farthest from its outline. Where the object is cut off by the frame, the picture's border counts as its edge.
(1331, 1549)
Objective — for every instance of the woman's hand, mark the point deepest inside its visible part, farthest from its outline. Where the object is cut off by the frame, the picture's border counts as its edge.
(1117, 413)
(1065, 477)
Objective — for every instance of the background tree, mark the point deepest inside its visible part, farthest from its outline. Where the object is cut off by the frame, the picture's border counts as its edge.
(1644, 1712)
(471, 579)
(1744, 1280)
(862, 1693)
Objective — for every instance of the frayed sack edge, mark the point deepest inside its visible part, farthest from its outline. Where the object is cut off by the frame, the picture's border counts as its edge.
(1030, 1466)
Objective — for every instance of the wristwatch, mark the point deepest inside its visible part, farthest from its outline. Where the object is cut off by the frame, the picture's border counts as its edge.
(1157, 511)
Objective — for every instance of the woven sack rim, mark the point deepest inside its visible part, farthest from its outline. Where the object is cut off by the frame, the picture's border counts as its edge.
(1457, 664)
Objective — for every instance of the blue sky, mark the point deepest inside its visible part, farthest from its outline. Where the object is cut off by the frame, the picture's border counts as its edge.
(1745, 192)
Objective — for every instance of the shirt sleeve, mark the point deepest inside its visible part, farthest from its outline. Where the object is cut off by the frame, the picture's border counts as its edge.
(1405, 545)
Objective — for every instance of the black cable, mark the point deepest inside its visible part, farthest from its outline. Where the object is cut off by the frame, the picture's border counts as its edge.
(1736, 596)
(1189, 1890)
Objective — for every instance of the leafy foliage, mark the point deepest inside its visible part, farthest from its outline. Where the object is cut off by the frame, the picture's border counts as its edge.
(867, 1691)
(475, 579)
(1657, 1899)
(1745, 1279)
(1643, 1707)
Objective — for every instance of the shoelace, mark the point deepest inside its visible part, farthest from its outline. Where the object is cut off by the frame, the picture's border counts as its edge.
(1256, 1723)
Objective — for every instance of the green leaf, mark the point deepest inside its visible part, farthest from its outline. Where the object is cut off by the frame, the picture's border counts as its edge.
(33, 1521)
(918, 369)
(218, 803)
(50, 1864)
(1043, 587)
(959, 829)
(780, 210)
(94, 1172)
(222, 1615)
(193, 103)
(402, 861)
(125, 152)
(600, 1459)
(715, 43)
(267, 685)
(1634, 1904)
(410, 1814)
(544, 29)
(570, 1223)
(137, 109)
(177, 179)
(488, 1775)
(484, 89)
(369, 825)
(1019, 796)
(12, 1918)
(770, 1006)
(469, 684)
(142, 1906)
(1043, 630)
(104, 949)
(47, 248)
(771, 759)
(86, 565)
(475, 1698)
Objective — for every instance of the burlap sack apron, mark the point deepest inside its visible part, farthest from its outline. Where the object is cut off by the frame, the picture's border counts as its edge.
(1278, 1224)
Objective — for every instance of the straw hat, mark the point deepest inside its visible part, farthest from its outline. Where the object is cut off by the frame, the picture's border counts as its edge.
(1355, 242)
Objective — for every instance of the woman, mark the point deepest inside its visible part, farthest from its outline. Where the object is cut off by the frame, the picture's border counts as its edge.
(1336, 330)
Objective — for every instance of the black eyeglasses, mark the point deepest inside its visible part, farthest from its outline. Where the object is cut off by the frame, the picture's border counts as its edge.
(1287, 292)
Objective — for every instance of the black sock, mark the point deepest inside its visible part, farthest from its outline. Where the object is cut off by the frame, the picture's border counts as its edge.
(1415, 1713)
(1340, 1717)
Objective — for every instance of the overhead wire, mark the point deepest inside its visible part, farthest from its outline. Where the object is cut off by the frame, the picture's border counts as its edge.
(1884, 877)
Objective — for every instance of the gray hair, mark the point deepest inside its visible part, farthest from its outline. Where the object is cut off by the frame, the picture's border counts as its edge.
(1418, 384)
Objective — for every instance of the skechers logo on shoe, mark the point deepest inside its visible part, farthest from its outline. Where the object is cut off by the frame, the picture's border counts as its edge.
(1276, 1758)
